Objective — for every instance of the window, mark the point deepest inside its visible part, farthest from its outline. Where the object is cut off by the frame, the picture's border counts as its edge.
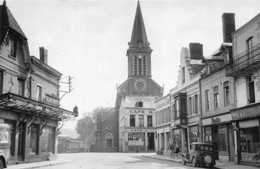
(132, 120)
(39, 93)
(135, 65)
(13, 47)
(140, 65)
(173, 110)
(34, 140)
(12, 135)
(189, 106)
(149, 121)
(177, 109)
(194, 134)
(1, 81)
(216, 97)
(183, 74)
(251, 90)
(141, 120)
(208, 135)
(109, 140)
(207, 100)
(226, 94)
(249, 45)
(139, 104)
(196, 104)
(21, 87)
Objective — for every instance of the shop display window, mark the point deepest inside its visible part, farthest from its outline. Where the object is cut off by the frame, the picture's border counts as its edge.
(249, 141)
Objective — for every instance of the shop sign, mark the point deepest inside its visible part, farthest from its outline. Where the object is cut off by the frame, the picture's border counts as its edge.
(141, 112)
(136, 130)
(246, 112)
(217, 119)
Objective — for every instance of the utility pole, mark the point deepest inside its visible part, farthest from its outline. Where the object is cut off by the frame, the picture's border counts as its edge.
(69, 83)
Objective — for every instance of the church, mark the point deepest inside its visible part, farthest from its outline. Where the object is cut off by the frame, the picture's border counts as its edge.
(130, 125)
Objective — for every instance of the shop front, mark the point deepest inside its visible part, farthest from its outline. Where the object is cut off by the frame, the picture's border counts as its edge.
(248, 134)
(33, 127)
(139, 140)
(218, 130)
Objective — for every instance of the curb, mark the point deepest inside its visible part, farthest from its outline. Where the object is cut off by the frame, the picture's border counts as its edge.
(37, 165)
(168, 159)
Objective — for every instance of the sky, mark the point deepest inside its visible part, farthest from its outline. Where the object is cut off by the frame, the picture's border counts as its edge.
(88, 40)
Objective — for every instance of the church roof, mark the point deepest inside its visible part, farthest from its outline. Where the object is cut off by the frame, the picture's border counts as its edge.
(139, 37)
(7, 22)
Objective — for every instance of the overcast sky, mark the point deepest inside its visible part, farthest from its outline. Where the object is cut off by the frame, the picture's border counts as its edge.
(88, 39)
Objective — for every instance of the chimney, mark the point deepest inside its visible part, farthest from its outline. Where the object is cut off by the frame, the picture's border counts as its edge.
(196, 51)
(43, 55)
(228, 21)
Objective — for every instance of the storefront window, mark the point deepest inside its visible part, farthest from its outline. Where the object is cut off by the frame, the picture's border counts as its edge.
(194, 134)
(136, 139)
(208, 135)
(47, 140)
(11, 135)
(249, 140)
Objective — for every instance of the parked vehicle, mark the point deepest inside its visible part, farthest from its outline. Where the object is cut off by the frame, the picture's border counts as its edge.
(201, 154)
(4, 145)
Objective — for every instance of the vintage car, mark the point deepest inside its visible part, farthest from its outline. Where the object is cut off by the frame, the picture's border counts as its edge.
(201, 154)
(4, 144)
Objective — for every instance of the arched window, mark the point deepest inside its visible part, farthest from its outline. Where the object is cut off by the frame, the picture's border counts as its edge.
(140, 65)
(109, 140)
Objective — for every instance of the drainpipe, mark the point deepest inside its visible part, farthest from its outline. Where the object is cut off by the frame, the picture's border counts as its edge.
(200, 120)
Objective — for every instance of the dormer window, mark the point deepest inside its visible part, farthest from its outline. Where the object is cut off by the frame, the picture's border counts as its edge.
(13, 47)
(139, 104)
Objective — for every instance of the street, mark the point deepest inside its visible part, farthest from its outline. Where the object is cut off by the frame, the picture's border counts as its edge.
(122, 161)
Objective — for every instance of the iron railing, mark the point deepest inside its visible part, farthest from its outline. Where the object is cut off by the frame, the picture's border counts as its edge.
(244, 59)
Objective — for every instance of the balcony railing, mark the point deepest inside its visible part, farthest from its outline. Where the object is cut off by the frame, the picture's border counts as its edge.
(244, 60)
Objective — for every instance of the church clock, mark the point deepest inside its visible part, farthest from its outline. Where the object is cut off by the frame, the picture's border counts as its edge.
(140, 84)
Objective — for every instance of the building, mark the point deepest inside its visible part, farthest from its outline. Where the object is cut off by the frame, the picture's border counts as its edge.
(135, 97)
(217, 96)
(107, 132)
(245, 68)
(185, 98)
(29, 95)
(163, 123)
(69, 145)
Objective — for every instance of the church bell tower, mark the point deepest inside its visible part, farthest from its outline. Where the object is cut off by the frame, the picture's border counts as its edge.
(139, 51)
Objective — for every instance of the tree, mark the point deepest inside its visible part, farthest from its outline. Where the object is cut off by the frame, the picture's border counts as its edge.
(87, 126)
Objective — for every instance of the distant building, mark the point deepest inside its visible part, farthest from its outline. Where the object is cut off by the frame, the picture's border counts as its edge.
(69, 145)
(29, 95)
(107, 132)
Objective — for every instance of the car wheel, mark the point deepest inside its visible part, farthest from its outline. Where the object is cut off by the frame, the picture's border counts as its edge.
(1, 164)
(208, 159)
(193, 163)
(183, 162)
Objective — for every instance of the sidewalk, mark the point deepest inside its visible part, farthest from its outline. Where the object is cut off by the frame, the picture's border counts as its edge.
(39, 164)
(225, 165)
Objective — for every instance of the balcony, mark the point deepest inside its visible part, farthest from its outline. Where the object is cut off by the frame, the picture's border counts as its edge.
(245, 62)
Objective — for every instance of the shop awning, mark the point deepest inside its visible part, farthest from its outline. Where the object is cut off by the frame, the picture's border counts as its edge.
(31, 107)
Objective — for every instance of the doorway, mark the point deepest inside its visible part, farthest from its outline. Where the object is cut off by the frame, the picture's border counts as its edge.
(21, 141)
(150, 141)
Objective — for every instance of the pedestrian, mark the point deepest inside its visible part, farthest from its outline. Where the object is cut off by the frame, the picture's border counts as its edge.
(177, 150)
(172, 150)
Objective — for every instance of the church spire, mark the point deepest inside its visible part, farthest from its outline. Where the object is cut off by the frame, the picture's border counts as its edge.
(139, 37)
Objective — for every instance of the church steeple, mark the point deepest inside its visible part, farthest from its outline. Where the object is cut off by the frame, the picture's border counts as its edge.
(139, 37)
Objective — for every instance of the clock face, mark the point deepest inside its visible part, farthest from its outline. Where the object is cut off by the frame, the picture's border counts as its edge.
(140, 56)
(140, 84)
